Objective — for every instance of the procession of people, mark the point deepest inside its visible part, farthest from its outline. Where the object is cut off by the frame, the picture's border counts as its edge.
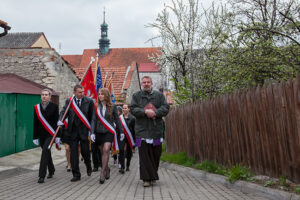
(98, 128)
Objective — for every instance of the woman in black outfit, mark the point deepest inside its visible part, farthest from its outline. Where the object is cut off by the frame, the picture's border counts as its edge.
(125, 146)
(102, 136)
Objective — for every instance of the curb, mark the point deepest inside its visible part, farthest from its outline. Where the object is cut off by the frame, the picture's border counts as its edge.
(240, 185)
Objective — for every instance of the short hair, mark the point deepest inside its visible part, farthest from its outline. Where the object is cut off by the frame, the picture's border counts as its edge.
(47, 90)
(147, 77)
(77, 86)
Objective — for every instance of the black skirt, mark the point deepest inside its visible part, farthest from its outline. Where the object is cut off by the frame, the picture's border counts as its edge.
(66, 137)
(101, 138)
(149, 161)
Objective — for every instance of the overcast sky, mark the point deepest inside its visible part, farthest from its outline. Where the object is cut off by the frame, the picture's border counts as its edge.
(76, 23)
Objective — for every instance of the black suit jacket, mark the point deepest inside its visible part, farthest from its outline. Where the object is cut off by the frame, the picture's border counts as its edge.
(87, 108)
(51, 116)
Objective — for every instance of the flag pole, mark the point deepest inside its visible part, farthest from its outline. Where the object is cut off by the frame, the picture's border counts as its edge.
(95, 77)
(104, 83)
(67, 110)
(110, 80)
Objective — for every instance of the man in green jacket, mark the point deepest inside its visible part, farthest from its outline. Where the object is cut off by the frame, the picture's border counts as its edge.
(149, 106)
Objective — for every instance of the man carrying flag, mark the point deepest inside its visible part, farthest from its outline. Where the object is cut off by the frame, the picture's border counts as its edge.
(79, 124)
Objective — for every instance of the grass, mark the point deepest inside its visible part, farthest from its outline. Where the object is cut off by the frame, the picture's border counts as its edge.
(180, 158)
(235, 173)
(239, 172)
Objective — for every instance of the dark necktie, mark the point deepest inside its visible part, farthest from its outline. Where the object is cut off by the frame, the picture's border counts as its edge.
(78, 102)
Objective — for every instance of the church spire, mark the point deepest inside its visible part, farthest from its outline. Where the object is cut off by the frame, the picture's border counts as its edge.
(104, 41)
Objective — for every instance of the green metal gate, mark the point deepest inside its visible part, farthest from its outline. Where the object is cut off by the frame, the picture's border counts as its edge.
(7, 124)
(24, 125)
(16, 122)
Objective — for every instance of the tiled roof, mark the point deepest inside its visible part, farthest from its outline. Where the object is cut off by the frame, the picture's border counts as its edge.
(12, 83)
(73, 60)
(117, 60)
(19, 40)
(148, 67)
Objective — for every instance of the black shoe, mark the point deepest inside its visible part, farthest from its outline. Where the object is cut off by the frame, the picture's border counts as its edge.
(75, 178)
(101, 181)
(127, 169)
(122, 171)
(68, 170)
(107, 176)
(89, 172)
(50, 175)
(41, 180)
(95, 169)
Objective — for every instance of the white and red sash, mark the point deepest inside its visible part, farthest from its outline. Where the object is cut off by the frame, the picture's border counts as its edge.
(108, 127)
(80, 114)
(127, 132)
(44, 122)
(66, 123)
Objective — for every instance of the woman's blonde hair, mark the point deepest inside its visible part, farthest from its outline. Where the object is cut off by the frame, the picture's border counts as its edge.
(107, 99)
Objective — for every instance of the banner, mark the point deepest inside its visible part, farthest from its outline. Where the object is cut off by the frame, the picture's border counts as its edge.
(89, 86)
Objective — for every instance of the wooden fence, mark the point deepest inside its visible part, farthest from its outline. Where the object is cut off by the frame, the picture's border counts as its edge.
(259, 128)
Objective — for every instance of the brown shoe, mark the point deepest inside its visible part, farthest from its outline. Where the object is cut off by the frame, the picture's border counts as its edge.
(146, 184)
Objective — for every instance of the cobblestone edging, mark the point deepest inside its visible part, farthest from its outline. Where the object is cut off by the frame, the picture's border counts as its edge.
(240, 185)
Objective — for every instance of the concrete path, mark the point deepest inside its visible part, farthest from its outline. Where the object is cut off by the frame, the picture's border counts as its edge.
(19, 175)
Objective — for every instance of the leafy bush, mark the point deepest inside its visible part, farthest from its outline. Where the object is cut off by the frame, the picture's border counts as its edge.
(239, 172)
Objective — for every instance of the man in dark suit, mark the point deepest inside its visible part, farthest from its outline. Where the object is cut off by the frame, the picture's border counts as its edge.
(79, 122)
(45, 119)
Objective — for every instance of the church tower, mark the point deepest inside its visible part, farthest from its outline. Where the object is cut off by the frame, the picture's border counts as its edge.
(104, 41)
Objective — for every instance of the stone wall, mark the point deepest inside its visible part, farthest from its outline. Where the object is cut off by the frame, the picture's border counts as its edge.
(43, 66)
(133, 87)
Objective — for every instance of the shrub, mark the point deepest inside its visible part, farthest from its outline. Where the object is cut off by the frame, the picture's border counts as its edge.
(239, 172)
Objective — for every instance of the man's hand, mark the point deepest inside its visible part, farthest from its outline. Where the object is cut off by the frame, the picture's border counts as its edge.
(36, 142)
(93, 137)
(59, 123)
(122, 136)
(57, 140)
(150, 113)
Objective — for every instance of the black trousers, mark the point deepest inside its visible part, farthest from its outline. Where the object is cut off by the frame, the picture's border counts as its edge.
(121, 153)
(96, 156)
(124, 153)
(46, 159)
(149, 161)
(85, 152)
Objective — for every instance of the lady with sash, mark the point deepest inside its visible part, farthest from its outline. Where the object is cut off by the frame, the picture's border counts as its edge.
(103, 132)
(128, 122)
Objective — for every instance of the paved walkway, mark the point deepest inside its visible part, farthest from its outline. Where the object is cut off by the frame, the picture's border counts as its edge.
(21, 183)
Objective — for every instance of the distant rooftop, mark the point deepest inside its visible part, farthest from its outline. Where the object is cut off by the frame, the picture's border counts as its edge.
(20, 40)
